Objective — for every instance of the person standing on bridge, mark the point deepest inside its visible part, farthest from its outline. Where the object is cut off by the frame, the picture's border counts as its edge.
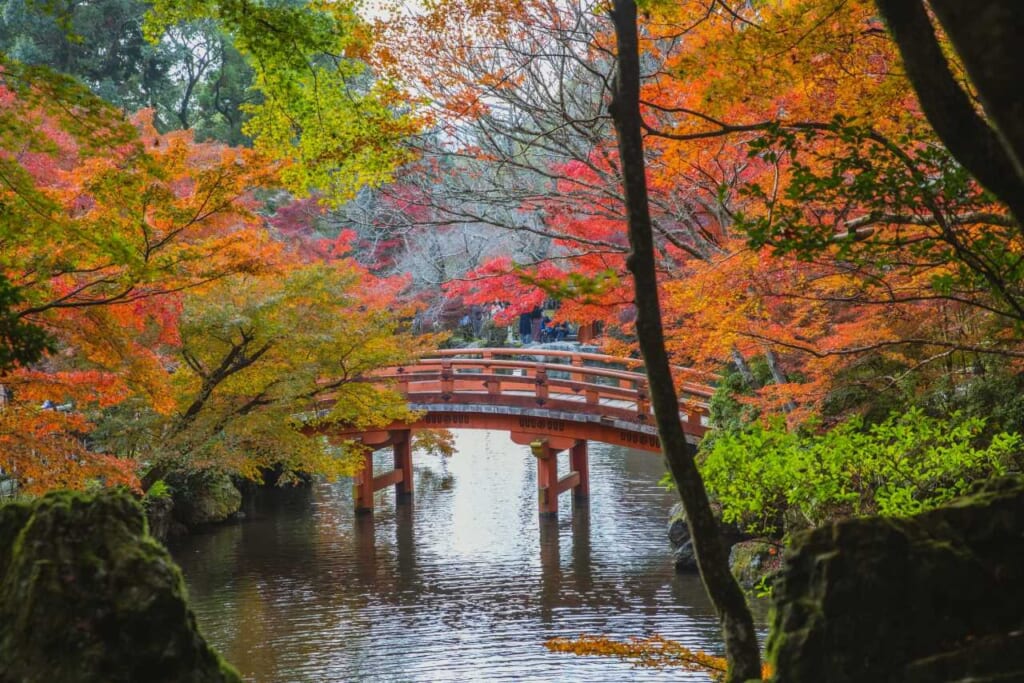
(536, 322)
(525, 328)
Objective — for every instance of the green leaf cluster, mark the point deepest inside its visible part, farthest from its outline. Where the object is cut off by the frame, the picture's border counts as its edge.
(259, 357)
(772, 480)
(574, 286)
(913, 208)
(336, 127)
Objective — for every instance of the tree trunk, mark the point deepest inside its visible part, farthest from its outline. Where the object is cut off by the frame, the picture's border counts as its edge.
(987, 37)
(744, 369)
(778, 376)
(737, 624)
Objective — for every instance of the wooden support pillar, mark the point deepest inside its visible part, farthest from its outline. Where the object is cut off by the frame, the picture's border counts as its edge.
(549, 486)
(547, 477)
(403, 463)
(365, 484)
(362, 489)
(579, 463)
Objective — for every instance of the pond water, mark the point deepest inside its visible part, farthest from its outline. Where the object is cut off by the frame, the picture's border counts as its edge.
(462, 584)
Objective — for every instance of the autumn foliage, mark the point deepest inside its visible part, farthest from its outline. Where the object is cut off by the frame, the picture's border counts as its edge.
(803, 207)
(167, 303)
(653, 651)
(184, 329)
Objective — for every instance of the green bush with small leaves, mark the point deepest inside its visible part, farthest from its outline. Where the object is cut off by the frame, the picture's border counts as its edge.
(773, 481)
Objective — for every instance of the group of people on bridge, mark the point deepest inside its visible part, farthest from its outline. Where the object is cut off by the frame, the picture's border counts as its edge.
(534, 326)
(538, 326)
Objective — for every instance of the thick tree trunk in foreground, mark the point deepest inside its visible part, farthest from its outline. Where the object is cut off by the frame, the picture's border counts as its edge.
(987, 36)
(737, 625)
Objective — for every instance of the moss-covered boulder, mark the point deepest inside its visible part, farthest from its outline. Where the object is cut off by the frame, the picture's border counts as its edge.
(753, 561)
(86, 595)
(160, 518)
(935, 597)
(684, 558)
(205, 497)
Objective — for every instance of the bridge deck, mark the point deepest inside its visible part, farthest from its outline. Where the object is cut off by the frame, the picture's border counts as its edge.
(553, 401)
(494, 388)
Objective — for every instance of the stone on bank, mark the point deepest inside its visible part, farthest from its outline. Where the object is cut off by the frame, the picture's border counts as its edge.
(206, 497)
(87, 595)
(934, 597)
(683, 556)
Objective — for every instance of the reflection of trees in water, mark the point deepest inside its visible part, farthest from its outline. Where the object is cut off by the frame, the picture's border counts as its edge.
(300, 561)
(430, 480)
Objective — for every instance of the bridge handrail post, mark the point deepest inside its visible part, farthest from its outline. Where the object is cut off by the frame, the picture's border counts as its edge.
(643, 400)
(493, 385)
(577, 362)
(447, 379)
(541, 385)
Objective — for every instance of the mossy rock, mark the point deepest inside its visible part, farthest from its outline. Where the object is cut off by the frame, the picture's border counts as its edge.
(204, 498)
(912, 599)
(160, 518)
(683, 556)
(86, 595)
(678, 532)
(753, 561)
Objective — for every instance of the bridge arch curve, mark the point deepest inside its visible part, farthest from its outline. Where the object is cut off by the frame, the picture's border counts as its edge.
(551, 400)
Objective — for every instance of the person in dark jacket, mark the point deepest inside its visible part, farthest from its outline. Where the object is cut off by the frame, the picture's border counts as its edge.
(525, 328)
(536, 320)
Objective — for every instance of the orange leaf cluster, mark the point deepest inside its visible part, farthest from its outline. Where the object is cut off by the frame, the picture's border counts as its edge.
(653, 651)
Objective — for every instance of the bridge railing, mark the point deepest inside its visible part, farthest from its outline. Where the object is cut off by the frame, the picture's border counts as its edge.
(551, 379)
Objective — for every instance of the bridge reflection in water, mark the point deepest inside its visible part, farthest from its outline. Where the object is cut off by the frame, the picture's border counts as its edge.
(404, 572)
(553, 401)
(455, 585)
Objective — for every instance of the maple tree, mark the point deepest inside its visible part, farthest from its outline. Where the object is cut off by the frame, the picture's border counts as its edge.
(716, 158)
(103, 223)
(520, 139)
(135, 257)
(129, 251)
(261, 355)
(881, 244)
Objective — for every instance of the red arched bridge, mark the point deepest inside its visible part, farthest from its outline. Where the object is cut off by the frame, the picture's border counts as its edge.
(552, 401)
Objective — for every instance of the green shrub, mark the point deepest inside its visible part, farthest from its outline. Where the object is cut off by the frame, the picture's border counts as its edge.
(773, 481)
(158, 490)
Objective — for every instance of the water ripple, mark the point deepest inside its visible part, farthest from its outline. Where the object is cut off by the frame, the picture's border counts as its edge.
(464, 584)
